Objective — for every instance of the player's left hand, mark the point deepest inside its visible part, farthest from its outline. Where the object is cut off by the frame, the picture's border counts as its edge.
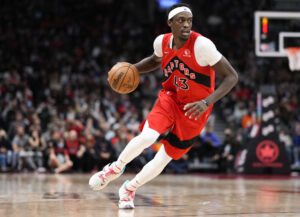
(195, 109)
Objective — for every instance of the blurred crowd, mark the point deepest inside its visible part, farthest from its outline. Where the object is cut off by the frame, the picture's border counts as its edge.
(57, 112)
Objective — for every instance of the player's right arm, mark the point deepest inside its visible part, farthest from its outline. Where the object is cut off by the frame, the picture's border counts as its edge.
(148, 64)
(152, 62)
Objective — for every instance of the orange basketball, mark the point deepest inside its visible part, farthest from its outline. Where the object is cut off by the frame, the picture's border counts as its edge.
(123, 77)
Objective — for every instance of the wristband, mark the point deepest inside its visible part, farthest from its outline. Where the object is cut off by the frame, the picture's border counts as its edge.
(205, 102)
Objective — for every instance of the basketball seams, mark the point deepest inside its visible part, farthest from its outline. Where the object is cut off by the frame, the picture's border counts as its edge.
(123, 78)
(114, 74)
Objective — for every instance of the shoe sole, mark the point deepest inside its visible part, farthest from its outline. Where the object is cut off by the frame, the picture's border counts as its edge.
(130, 205)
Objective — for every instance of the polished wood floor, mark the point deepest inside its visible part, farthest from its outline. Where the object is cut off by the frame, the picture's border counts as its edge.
(45, 195)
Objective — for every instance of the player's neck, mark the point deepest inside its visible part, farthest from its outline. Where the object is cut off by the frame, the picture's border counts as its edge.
(178, 43)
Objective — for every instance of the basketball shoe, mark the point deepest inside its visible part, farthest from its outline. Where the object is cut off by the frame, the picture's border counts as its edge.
(100, 179)
(126, 197)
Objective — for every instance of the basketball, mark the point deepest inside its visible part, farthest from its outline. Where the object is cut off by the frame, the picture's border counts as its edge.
(123, 77)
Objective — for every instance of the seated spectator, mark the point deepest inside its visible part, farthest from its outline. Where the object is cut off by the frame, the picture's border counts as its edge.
(22, 154)
(296, 149)
(37, 145)
(211, 143)
(75, 149)
(196, 153)
(90, 157)
(59, 159)
(5, 151)
(104, 149)
(227, 152)
(179, 166)
(248, 120)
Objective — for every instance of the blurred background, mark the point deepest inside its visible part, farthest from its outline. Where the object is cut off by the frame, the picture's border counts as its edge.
(58, 113)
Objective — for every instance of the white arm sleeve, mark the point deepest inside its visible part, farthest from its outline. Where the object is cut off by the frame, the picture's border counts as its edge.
(206, 52)
(157, 46)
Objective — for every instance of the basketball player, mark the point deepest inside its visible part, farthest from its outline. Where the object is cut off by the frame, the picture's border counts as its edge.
(189, 62)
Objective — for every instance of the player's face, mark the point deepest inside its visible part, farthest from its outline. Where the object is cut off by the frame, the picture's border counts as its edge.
(181, 25)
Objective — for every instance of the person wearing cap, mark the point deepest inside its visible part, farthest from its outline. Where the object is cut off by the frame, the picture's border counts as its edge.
(189, 62)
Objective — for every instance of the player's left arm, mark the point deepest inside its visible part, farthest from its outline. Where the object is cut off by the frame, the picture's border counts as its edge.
(222, 68)
(230, 77)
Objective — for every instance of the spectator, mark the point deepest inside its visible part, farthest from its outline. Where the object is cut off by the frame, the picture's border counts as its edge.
(75, 149)
(75, 126)
(90, 157)
(296, 149)
(179, 166)
(247, 121)
(227, 153)
(211, 137)
(5, 150)
(211, 143)
(19, 121)
(37, 145)
(239, 111)
(196, 154)
(22, 156)
(59, 160)
(104, 149)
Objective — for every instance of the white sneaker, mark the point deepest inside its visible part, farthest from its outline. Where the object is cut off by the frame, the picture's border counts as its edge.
(126, 197)
(100, 179)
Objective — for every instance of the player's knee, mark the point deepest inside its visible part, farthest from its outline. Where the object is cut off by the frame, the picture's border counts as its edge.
(162, 158)
(147, 139)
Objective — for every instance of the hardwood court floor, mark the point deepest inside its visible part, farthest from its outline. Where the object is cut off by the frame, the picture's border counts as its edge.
(168, 195)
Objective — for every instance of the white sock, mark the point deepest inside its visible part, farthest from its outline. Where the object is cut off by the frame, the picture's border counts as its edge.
(118, 165)
(133, 184)
(150, 170)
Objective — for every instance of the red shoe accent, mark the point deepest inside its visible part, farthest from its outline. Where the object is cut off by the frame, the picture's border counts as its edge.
(130, 193)
(102, 178)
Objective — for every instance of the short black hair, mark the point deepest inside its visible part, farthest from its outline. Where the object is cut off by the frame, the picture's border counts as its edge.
(177, 6)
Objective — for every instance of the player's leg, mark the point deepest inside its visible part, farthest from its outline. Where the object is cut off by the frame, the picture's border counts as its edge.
(178, 141)
(152, 169)
(135, 147)
(159, 120)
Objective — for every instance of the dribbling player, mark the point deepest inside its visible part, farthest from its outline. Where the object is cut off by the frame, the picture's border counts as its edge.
(189, 62)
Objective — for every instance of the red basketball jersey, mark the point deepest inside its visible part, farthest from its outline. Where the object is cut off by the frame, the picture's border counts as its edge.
(182, 74)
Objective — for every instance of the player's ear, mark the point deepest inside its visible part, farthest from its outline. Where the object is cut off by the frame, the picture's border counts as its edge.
(169, 22)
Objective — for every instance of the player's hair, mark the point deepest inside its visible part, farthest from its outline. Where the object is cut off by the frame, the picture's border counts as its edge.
(177, 6)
